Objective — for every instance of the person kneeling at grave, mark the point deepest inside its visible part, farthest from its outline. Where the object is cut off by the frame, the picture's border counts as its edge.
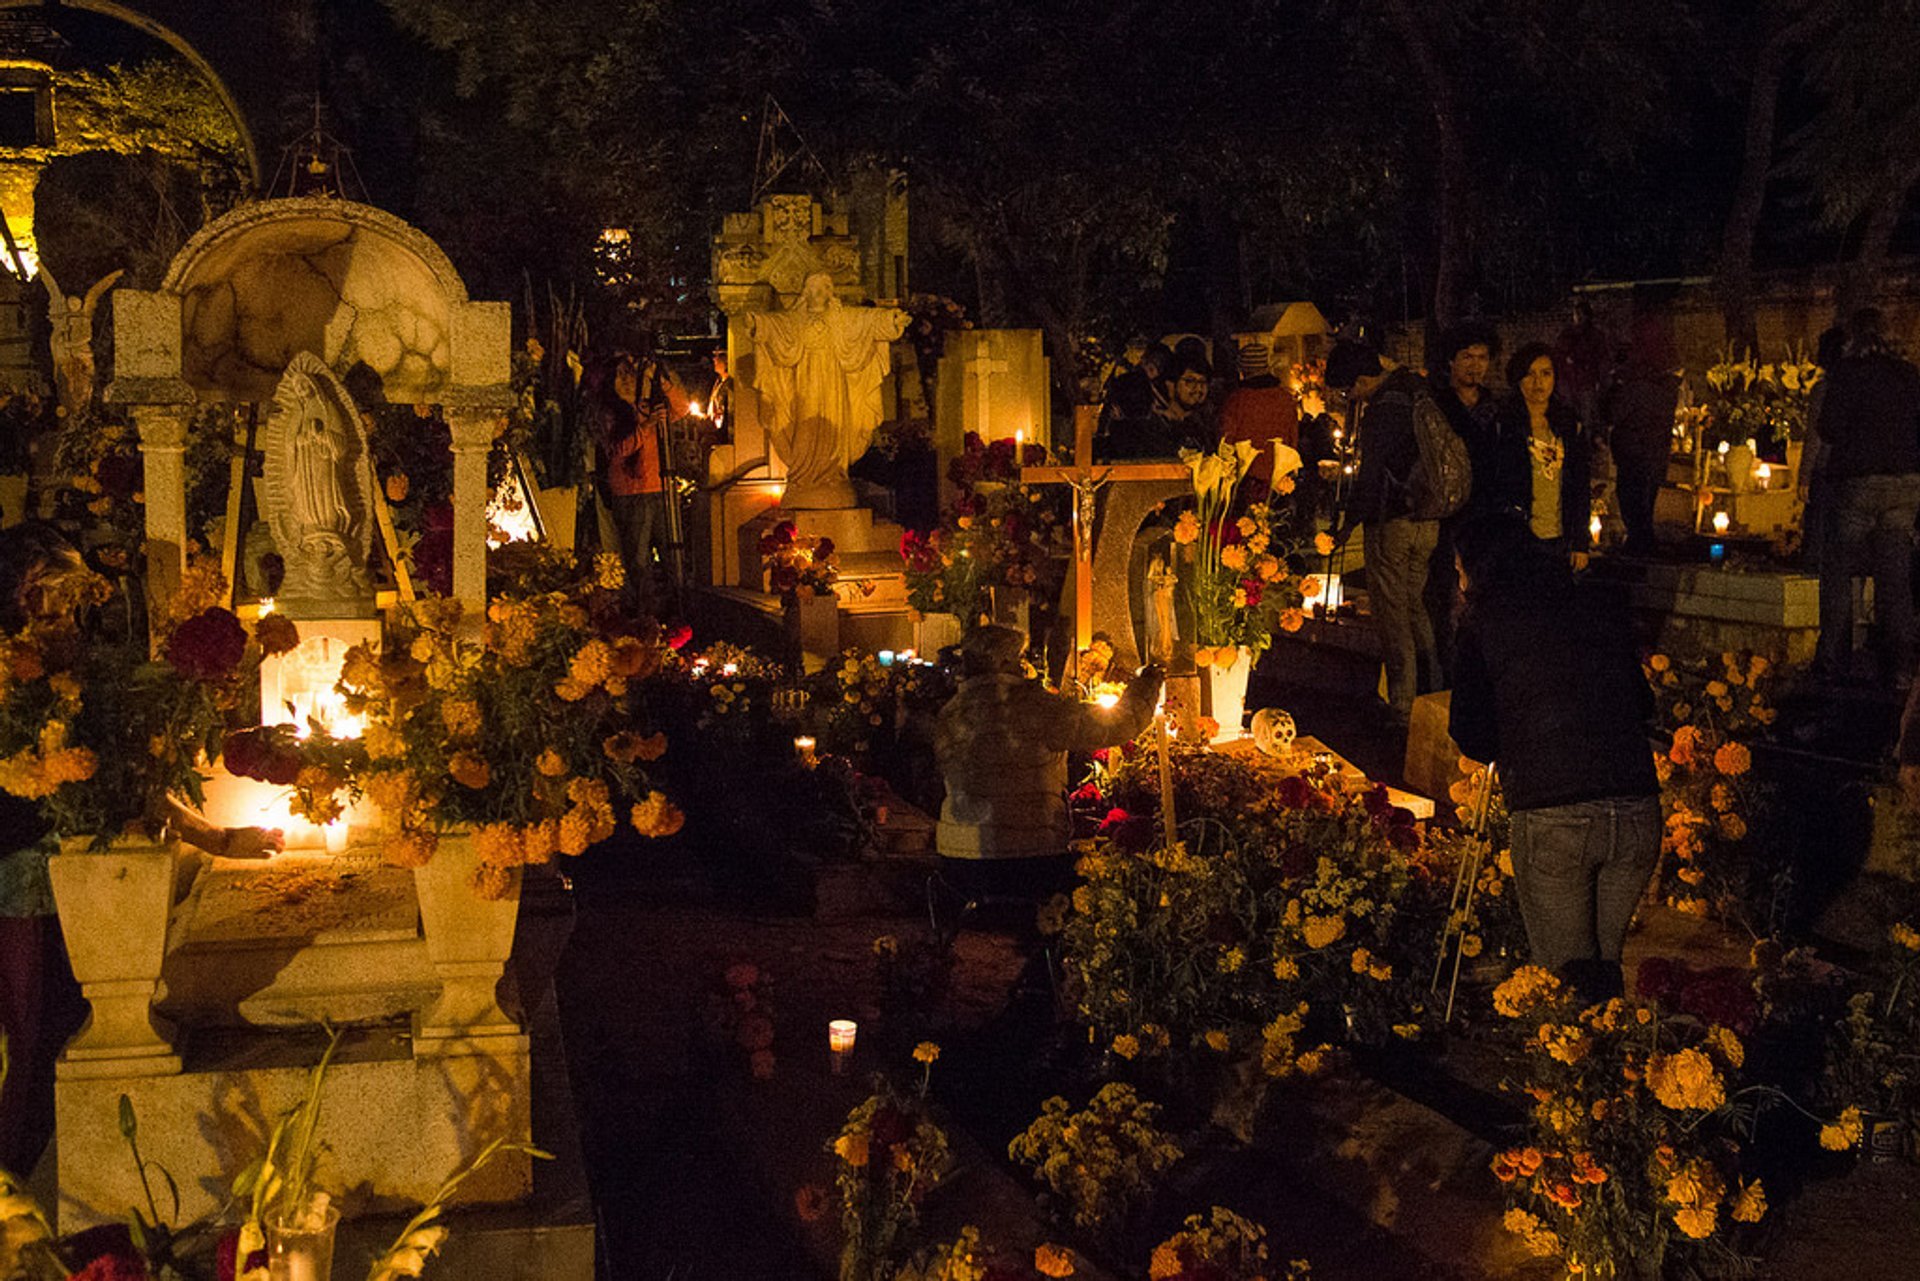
(1002, 744)
(1547, 686)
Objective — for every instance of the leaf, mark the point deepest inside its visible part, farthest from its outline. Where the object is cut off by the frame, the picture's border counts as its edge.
(129, 1124)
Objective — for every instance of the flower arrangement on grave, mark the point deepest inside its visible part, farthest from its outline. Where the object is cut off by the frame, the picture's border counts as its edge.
(742, 1013)
(1633, 1157)
(1872, 1073)
(527, 736)
(104, 737)
(1301, 916)
(1748, 400)
(856, 700)
(1101, 1163)
(1308, 381)
(798, 565)
(1219, 1246)
(997, 532)
(1238, 582)
(887, 1156)
(1710, 709)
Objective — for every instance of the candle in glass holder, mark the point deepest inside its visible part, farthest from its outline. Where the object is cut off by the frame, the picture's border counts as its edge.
(803, 748)
(1721, 522)
(840, 1037)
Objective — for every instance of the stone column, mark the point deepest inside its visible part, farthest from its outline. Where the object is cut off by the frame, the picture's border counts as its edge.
(472, 430)
(163, 449)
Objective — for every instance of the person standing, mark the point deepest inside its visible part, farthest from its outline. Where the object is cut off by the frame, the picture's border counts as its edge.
(1462, 355)
(1547, 687)
(1260, 410)
(1400, 539)
(1870, 433)
(1538, 460)
(1638, 408)
(633, 418)
(1582, 357)
(1181, 423)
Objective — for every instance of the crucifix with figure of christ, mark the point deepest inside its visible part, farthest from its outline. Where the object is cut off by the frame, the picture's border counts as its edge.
(1086, 478)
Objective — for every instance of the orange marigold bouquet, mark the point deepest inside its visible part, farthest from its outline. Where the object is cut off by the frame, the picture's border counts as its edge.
(1711, 708)
(528, 735)
(1633, 1157)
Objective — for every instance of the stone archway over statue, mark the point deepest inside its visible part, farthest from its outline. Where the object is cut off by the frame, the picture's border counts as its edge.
(369, 296)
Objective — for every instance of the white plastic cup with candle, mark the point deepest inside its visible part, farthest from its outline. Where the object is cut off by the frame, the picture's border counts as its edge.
(1721, 522)
(840, 1038)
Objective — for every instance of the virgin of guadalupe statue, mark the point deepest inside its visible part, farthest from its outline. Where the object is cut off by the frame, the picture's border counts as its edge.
(819, 368)
(318, 496)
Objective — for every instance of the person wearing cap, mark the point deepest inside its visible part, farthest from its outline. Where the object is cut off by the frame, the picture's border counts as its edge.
(1262, 410)
(1001, 743)
(1400, 546)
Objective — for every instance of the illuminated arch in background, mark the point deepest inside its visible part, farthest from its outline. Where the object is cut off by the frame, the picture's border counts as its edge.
(148, 26)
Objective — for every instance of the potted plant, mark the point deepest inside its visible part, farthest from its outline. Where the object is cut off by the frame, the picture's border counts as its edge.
(1236, 579)
(488, 754)
(111, 743)
(801, 569)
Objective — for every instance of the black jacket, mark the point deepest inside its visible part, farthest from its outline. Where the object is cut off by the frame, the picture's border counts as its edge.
(1870, 417)
(1547, 684)
(1503, 467)
(1389, 450)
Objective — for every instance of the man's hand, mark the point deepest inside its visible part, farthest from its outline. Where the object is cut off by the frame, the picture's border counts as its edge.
(253, 842)
(1578, 560)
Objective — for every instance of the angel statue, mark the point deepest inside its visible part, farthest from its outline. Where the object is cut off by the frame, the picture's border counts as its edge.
(71, 323)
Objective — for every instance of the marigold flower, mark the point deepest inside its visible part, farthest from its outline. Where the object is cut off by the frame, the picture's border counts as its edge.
(1217, 1041)
(1750, 1206)
(852, 1148)
(1323, 543)
(1323, 931)
(1686, 1081)
(576, 832)
(1292, 620)
(413, 847)
(491, 882)
(657, 816)
(1051, 1260)
(1126, 1045)
(1905, 935)
(1187, 528)
(1529, 986)
(1659, 662)
(926, 1052)
(1234, 557)
(462, 718)
(1846, 1132)
(397, 487)
(1733, 759)
(470, 770)
(1697, 1222)
(1732, 826)
(551, 763)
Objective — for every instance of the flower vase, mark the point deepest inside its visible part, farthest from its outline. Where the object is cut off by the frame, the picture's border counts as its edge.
(935, 632)
(1012, 607)
(300, 1245)
(1227, 694)
(114, 906)
(813, 626)
(468, 940)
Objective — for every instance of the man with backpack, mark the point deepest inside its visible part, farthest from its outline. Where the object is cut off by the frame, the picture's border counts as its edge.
(1413, 474)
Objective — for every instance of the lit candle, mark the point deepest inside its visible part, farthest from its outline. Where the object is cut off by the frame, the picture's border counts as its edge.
(1764, 474)
(803, 748)
(336, 836)
(1019, 443)
(840, 1036)
(1723, 449)
(1107, 699)
(1720, 522)
(1593, 527)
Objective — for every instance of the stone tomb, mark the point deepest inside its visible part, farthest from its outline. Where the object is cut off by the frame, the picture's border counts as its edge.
(994, 382)
(257, 955)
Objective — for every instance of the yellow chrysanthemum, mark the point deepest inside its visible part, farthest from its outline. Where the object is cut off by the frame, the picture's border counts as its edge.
(1323, 931)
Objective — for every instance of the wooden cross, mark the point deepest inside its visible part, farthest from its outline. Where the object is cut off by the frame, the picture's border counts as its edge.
(982, 366)
(1086, 480)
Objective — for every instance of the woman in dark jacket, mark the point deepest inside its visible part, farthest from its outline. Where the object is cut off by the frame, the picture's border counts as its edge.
(1547, 686)
(1537, 461)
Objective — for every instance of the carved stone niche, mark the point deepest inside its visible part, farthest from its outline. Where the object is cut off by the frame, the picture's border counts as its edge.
(319, 501)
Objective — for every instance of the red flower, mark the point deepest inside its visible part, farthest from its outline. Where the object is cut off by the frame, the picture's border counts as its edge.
(678, 635)
(227, 1257)
(1295, 792)
(1086, 794)
(1034, 455)
(208, 646)
(267, 754)
(1254, 589)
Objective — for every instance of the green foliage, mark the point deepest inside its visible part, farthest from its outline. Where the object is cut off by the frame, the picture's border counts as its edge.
(1101, 1162)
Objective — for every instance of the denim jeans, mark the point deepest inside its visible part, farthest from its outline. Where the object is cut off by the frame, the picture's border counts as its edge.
(640, 523)
(1579, 871)
(1869, 534)
(1399, 558)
